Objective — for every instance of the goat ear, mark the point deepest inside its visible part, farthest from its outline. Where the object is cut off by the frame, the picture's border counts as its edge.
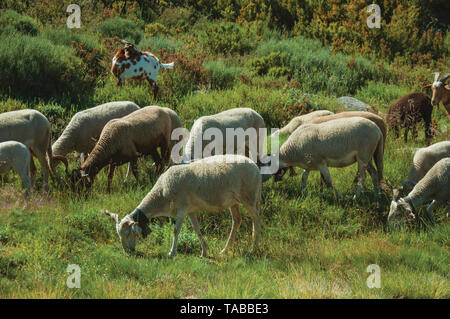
(395, 194)
(428, 86)
(130, 223)
(112, 215)
(120, 40)
(94, 140)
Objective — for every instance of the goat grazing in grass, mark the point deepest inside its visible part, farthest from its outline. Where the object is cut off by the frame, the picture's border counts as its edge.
(424, 159)
(85, 127)
(300, 120)
(232, 119)
(337, 143)
(15, 155)
(132, 63)
(209, 184)
(325, 118)
(125, 139)
(31, 128)
(408, 111)
(433, 187)
(441, 92)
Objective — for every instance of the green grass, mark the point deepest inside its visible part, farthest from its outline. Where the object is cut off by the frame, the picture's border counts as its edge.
(312, 246)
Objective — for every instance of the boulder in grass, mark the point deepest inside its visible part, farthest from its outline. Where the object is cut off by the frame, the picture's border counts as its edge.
(352, 104)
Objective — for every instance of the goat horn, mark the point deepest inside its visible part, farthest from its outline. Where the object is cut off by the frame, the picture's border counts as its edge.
(121, 41)
(444, 78)
(436, 76)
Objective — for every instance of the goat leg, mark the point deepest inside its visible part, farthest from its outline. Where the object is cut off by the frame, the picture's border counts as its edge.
(112, 167)
(155, 90)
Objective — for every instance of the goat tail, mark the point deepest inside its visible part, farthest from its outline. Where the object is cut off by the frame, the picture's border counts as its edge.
(378, 156)
(167, 65)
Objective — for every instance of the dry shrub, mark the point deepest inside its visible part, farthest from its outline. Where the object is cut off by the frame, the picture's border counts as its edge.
(187, 75)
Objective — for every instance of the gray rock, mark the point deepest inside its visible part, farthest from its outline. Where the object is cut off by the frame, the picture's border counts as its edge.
(352, 104)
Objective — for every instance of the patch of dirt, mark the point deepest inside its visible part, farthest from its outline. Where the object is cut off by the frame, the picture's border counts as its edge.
(12, 198)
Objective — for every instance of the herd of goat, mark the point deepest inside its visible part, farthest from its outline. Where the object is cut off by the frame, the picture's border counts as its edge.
(115, 133)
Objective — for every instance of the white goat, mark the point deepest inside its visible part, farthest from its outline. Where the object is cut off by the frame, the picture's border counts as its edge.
(434, 187)
(210, 184)
(85, 127)
(424, 159)
(131, 63)
(126, 139)
(31, 128)
(15, 155)
(234, 119)
(337, 143)
(300, 120)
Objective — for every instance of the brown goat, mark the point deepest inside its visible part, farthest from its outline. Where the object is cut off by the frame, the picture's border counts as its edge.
(126, 139)
(441, 93)
(408, 111)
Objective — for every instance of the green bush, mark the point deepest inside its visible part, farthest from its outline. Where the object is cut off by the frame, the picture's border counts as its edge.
(11, 22)
(315, 67)
(178, 18)
(44, 70)
(227, 38)
(220, 75)
(381, 95)
(9, 104)
(65, 36)
(276, 106)
(85, 46)
(154, 29)
(141, 94)
(56, 114)
(273, 63)
(123, 28)
(159, 42)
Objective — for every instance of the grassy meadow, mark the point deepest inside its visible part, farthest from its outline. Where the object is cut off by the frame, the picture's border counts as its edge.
(312, 245)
